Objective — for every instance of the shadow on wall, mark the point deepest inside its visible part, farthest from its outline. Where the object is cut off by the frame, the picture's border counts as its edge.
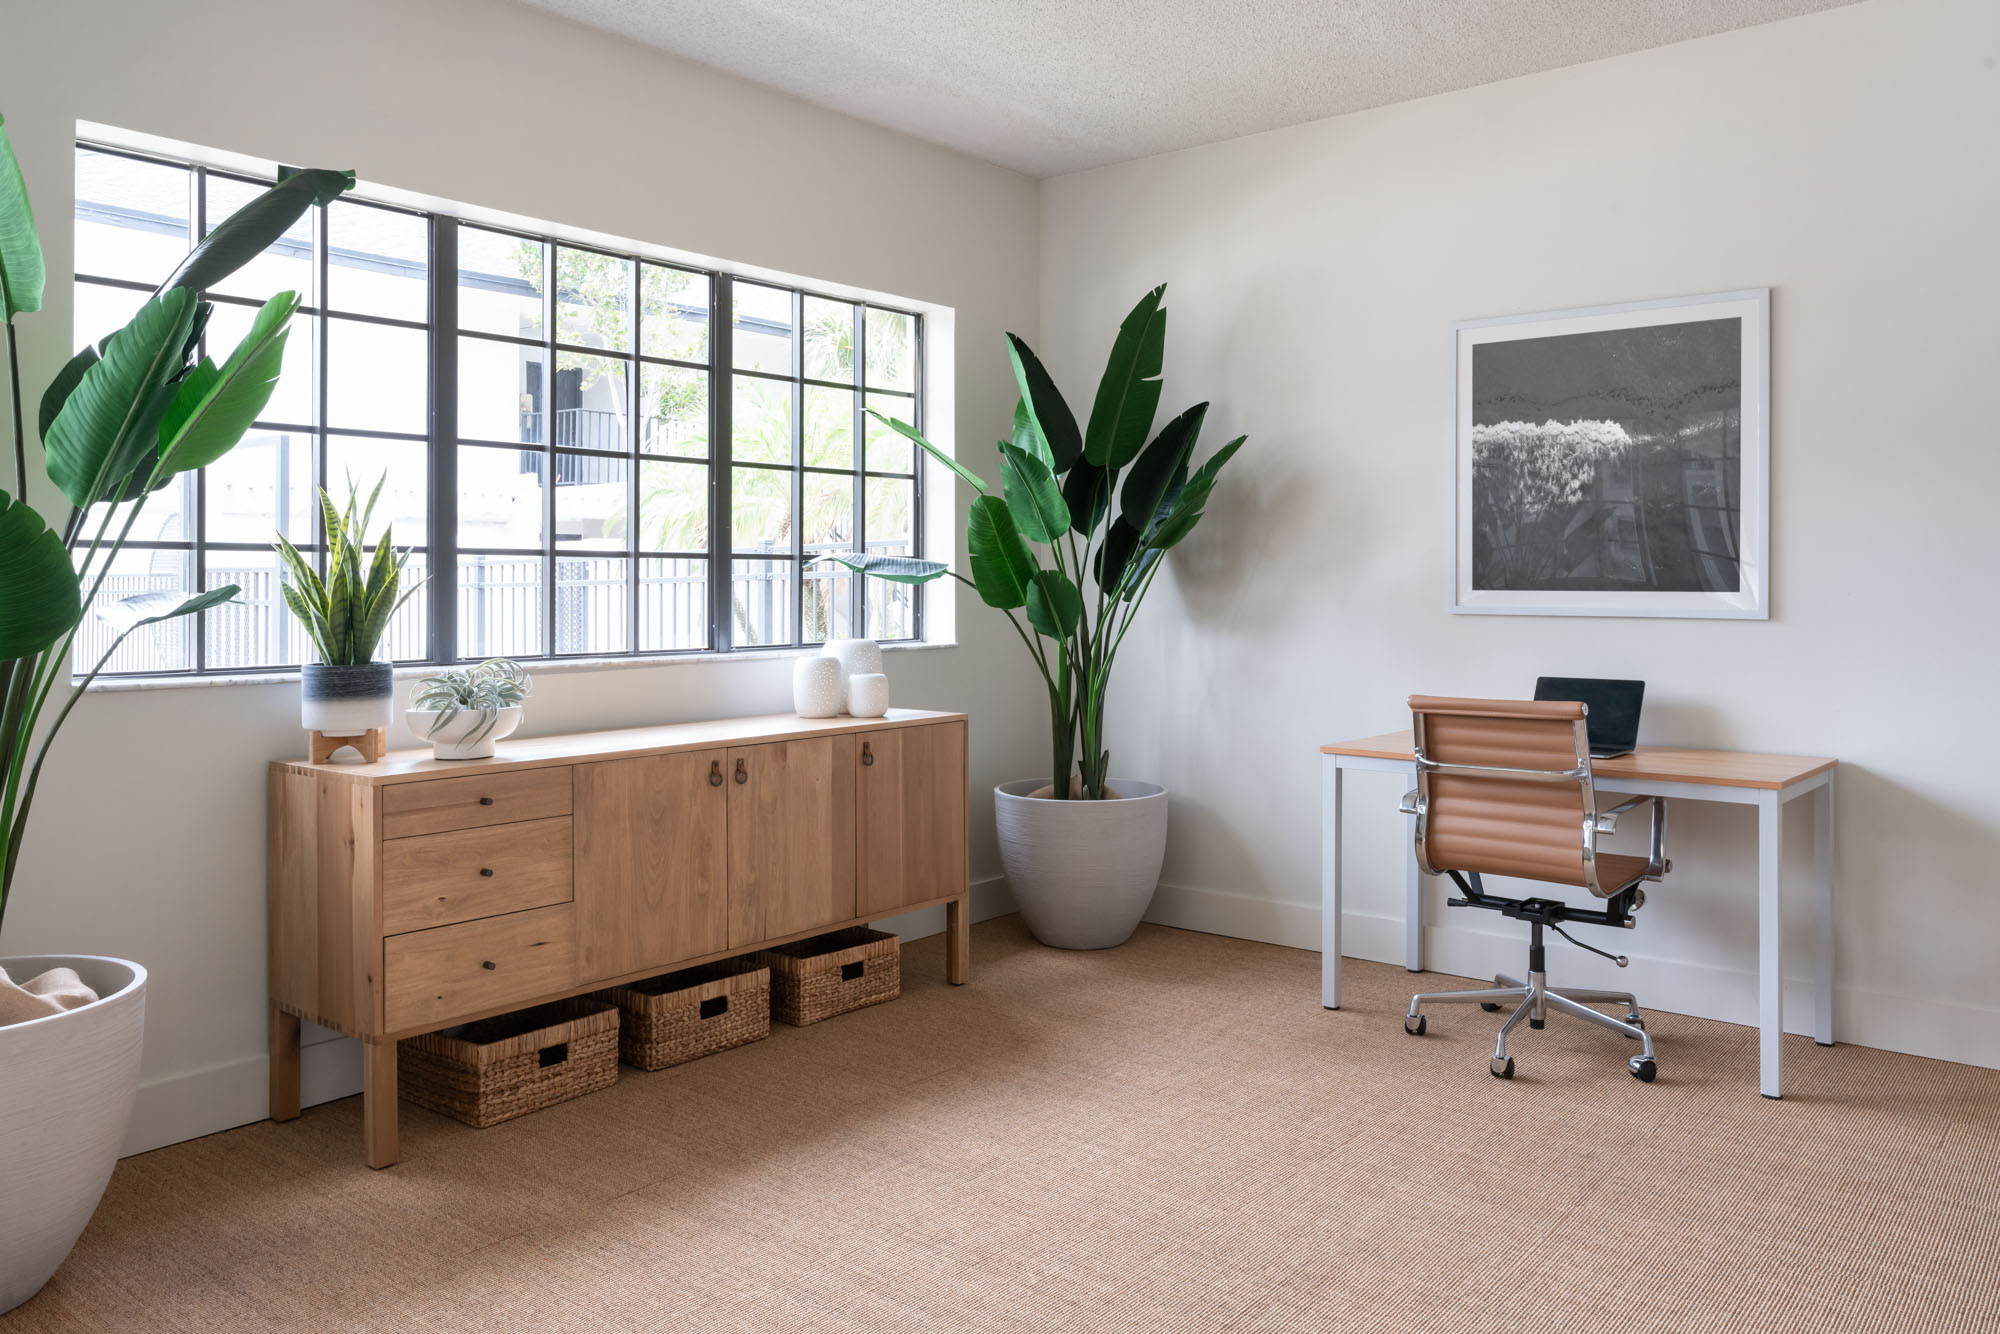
(1222, 571)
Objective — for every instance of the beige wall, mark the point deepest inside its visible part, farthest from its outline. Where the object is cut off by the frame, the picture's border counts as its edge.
(1851, 162)
(148, 840)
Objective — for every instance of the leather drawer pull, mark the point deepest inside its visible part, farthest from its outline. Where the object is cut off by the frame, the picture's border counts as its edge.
(486, 871)
(851, 971)
(714, 1006)
(489, 965)
(867, 755)
(486, 801)
(715, 773)
(555, 1055)
(742, 773)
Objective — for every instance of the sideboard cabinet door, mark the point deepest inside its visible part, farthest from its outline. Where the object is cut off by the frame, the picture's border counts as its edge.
(791, 837)
(651, 874)
(910, 817)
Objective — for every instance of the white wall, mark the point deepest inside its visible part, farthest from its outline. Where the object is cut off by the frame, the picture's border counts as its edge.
(148, 840)
(1851, 162)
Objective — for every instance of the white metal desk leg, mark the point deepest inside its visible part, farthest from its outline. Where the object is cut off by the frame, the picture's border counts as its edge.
(1329, 884)
(1823, 913)
(1413, 898)
(1770, 951)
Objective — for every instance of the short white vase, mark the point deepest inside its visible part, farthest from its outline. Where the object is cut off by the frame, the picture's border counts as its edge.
(857, 657)
(818, 690)
(471, 733)
(867, 694)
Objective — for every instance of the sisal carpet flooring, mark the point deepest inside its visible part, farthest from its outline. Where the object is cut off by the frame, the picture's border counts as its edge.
(1169, 1136)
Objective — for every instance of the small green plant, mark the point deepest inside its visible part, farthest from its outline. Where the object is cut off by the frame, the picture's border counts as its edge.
(496, 684)
(346, 612)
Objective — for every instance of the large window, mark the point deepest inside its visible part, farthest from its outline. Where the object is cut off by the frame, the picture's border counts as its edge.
(590, 453)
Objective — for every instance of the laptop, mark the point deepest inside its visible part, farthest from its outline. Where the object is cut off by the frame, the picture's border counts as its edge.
(1612, 709)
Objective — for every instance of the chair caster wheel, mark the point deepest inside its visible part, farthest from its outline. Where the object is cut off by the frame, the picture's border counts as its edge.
(1642, 1069)
(1501, 1069)
(1415, 1026)
(1489, 1007)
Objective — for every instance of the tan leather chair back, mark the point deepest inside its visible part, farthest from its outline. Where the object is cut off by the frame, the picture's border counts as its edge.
(1535, 827)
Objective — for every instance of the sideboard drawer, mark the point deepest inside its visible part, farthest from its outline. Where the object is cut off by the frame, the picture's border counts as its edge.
(500, 797)
(431, 978)
(437, 879)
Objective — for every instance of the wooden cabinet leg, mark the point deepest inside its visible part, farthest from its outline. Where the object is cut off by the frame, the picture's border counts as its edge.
(958, 941)
(378, 1102)
(284, 1065)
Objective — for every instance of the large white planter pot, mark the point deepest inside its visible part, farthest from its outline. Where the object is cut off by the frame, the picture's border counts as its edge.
(1083, 872)
(455, 740)
(66, 1089)
(347, 699)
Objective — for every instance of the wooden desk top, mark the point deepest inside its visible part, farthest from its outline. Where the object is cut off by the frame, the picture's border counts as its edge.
(1667, 764)
(537, 752)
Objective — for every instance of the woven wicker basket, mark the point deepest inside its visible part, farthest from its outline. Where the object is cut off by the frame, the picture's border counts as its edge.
(827, 975)
(496, 1069)
(697, 1012)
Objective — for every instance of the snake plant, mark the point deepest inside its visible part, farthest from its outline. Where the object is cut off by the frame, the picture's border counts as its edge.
(346, 612)
(123, 419)
(1101, 501)
(496, 684)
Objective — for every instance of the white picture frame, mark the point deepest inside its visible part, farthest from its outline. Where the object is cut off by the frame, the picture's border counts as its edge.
(1540, 524)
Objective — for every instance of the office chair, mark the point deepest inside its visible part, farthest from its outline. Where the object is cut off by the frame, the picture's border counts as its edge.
(1504, 788)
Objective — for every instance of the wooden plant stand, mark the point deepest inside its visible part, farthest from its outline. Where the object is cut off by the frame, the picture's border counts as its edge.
(370, 745)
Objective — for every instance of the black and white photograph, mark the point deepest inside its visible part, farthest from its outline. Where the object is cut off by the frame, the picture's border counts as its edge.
(1613, 461)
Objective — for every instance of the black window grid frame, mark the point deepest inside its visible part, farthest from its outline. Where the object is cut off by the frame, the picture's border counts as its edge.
(442, 441)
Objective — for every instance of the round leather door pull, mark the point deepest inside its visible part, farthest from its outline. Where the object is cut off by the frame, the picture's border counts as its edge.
(489, 965)
(715, 773)
(742, 774)
(867, 755)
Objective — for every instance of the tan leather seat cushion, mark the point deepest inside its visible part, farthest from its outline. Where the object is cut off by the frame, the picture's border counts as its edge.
(1615, 870)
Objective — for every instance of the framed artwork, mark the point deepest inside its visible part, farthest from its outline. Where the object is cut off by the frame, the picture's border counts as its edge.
(1615, 460)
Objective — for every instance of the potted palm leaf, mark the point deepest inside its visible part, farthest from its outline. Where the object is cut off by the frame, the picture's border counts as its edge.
(346, 693)
(1067, 548)
(120, 421)
(464, 712)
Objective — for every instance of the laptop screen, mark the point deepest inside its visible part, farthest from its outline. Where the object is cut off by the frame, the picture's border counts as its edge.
(1613, 720)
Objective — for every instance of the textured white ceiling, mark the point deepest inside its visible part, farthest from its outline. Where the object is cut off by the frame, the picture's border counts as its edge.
(1053, 86)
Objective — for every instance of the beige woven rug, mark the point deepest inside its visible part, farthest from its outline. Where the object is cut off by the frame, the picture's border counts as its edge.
(1169, 1136)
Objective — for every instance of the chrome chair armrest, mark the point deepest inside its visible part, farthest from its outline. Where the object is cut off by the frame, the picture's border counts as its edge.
(1411, 804)
(1657, 863)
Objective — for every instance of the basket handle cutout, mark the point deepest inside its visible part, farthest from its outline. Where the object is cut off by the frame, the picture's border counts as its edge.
(555, 1055)
(714, 1006)
(850, 971)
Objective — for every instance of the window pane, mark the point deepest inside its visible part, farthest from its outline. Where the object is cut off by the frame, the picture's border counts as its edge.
(499, 283)
(761, 429)
(591, 502)
(673, 605)
(501, 389)
(827, 603)
(408, 637)
(891, 610)
(889, 451)
(102, 311)
(593, 300)
(377, 377)
(891, 515)
(674, 400)
(761, 509)
(263, 487)
(593, 604)
(590, 403)
(829, 513)
(674, 322)
(500, 498)
(166, 515)
(141, 583)
(500, 606)
(257, 629)
(829, 433)
(355, 464)
(761, 602)
(673, 506)
(292, 398)
(829, 526)
(377, 261)
(131, 217)
(763, 328)
(891, 350)
(286, 266)
(829, 340)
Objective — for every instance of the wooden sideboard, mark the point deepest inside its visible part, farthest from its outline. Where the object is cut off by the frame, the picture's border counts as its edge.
(411, 894)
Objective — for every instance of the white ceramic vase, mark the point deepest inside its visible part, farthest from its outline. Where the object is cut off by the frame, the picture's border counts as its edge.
(818, 690)
(65, 1098)
(346, 699)
(1082, 872)
(867, 694)
(857, 657)
(455, 740)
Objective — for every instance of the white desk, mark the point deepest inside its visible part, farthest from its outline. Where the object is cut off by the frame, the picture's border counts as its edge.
(1767, 782)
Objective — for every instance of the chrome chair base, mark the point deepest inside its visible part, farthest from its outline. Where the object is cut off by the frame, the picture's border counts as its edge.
(1536, 998)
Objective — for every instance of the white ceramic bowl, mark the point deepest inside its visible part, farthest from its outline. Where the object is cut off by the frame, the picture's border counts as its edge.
(451, 741)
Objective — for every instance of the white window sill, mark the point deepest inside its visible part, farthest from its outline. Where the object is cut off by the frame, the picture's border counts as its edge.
(534, 667)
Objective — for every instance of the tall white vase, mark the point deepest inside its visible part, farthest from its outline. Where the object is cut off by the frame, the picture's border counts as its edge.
(817, 688)
(857, 657)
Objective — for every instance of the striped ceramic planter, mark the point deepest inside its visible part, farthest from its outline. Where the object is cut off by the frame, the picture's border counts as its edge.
(346, 699)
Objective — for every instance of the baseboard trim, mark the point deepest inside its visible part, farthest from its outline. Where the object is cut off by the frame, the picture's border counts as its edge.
(1914, 1025)
(184, 1106)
